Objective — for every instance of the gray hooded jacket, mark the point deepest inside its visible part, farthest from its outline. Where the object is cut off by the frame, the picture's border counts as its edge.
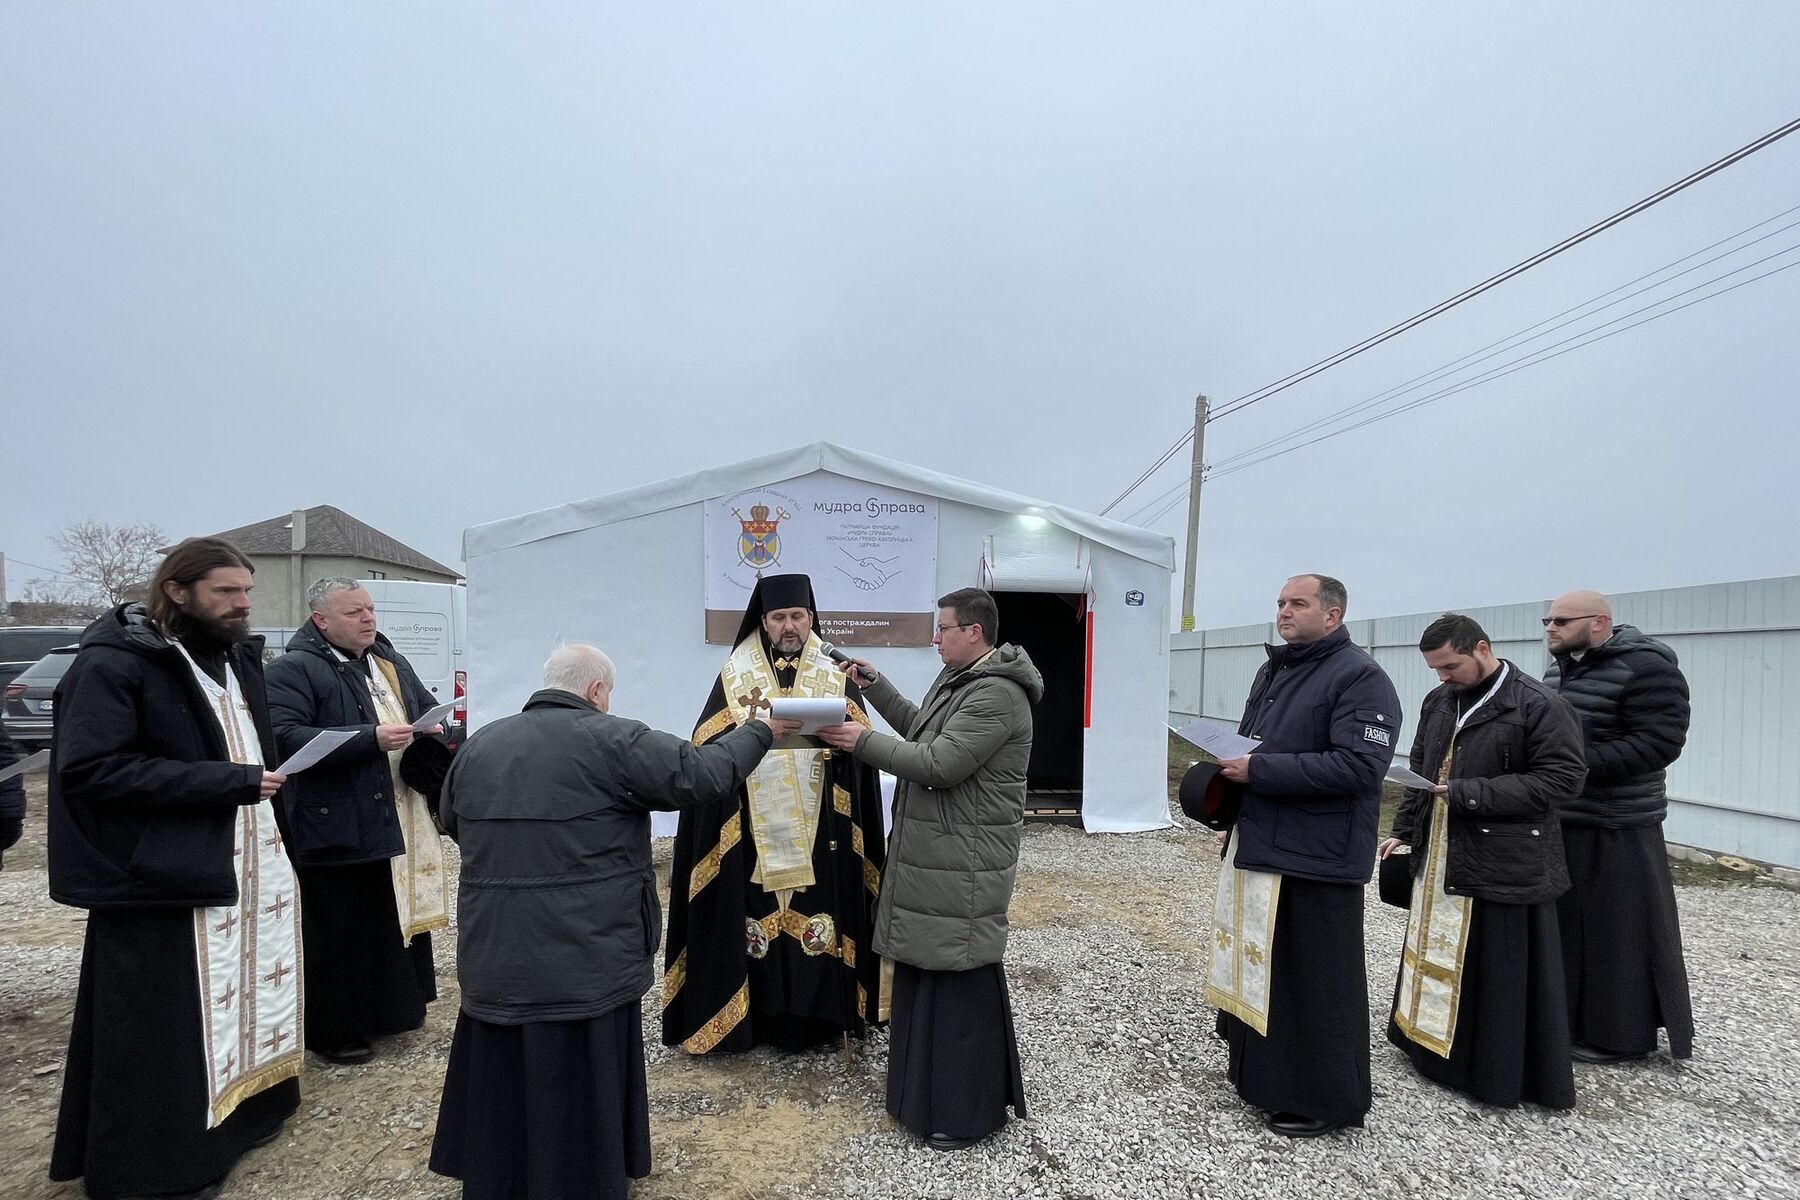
(959, 808)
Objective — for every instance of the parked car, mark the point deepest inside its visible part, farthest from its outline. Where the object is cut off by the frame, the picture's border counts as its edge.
(29, 714)
(22, 645)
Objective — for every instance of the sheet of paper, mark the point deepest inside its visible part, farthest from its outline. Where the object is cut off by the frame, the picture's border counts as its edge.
(436, 716)
(31, 762)
(314, 750)
(813, 712)
(1405, 776)
(1217, 738)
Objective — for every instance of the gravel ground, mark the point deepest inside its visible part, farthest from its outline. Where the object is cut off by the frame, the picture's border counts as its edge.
(1124, 1081)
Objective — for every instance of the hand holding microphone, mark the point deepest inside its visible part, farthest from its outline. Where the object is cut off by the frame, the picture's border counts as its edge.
(859, 670)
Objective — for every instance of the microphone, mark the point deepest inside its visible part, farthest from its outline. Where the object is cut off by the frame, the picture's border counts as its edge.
(850, 668)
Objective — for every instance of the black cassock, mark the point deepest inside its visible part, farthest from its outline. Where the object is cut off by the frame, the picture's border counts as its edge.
(787, 987)
(133, 1115)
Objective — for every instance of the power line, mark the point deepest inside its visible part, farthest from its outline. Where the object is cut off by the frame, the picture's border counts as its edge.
(36, 567)
(1469, 293)
(1574, 342)
(1514, 340)
(1538, 357)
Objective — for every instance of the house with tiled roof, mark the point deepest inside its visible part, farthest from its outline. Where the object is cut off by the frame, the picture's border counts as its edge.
(296, 548)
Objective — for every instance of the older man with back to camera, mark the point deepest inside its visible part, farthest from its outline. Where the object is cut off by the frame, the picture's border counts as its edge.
(545, 1092)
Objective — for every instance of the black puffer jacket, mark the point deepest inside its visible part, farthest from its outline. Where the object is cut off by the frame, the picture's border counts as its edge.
(341, 810)
(1518, 760)
(1633, 703)
(557, 907)
(143, 792)
(1328, 718)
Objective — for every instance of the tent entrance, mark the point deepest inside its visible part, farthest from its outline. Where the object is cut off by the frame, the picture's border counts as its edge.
(1051, 628)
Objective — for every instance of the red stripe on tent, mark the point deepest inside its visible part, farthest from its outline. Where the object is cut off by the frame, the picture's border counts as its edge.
(1087, 689)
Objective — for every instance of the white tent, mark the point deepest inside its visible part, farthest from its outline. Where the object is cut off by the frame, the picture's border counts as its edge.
(635, 572)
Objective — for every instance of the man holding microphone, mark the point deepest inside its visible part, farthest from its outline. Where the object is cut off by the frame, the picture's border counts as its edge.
(953, 1068)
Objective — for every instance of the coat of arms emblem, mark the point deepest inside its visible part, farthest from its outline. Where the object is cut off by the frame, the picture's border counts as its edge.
(759, 544)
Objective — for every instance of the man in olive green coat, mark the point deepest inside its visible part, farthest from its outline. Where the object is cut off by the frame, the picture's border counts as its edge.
(953, 1064)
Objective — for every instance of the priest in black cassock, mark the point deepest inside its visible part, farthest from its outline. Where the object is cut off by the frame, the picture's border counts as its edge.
(185, 1046)
(1479, 1005)
(371, 866)
(1287, 971)
(772, 894)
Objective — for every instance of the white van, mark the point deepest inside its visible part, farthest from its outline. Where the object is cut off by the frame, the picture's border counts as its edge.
(429, 624)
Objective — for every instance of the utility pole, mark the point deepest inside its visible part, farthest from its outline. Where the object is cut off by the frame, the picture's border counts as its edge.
(1193, 547)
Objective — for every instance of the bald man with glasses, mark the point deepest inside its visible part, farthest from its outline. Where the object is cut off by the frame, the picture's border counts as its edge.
(1621, 934)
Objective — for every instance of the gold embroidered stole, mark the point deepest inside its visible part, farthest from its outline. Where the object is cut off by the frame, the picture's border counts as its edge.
(1243, 940)
(421, 887)
(247, 954)
(788, 787)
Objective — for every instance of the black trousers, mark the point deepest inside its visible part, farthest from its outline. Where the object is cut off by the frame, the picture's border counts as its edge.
(953, 1062)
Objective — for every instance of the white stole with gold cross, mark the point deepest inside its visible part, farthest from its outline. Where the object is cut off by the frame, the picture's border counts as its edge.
(421, 885)
(787, 788)
(248, 953)
(1437, 926)
(1243, 939)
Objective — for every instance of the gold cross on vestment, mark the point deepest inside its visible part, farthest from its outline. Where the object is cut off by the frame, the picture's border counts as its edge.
(429, 869)
(230, 1066)
(280, 907)
(1224, 940)
(276, 1037)
(225, 1000)
(281, 972)
(754, 700)
(1253, 954)
(228, 924)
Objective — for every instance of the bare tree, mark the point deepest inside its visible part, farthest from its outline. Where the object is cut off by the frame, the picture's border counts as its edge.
(111, 560)
(51, 602)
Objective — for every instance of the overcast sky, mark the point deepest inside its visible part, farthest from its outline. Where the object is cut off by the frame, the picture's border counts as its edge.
(439, 264)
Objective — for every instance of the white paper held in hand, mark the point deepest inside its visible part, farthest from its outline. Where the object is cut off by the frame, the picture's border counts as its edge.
(31, 762)
(434, 717)
(1404, 775)
(322, 744)
(813, 712)
(1217, 739)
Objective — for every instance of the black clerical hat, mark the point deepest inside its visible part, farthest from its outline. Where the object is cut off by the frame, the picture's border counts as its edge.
(1210, 798)
(772, 592)
(423, 766)
(1394, 880)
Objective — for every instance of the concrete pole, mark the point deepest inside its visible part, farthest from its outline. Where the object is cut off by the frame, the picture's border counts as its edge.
(1193, 531)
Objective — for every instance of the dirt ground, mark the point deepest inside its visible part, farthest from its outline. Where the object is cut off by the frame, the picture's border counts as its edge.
(366, 1132)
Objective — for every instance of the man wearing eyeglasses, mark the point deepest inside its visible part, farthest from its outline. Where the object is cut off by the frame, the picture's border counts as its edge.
(959, 809)
(1620, 932)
